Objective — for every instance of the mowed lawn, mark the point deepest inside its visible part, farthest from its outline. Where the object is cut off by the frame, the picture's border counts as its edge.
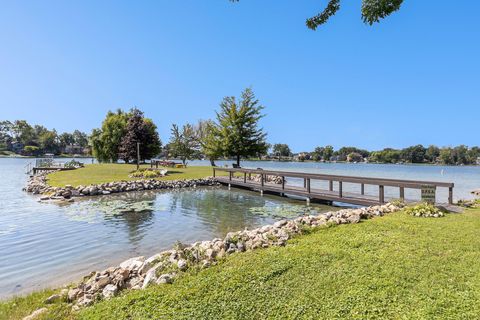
(395, 267)
(102, 173)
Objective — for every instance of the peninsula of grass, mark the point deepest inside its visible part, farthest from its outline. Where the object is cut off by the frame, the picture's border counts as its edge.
(395, 267)
(103, 173)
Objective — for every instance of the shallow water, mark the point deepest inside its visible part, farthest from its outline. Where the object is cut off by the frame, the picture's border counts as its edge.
(47, 244)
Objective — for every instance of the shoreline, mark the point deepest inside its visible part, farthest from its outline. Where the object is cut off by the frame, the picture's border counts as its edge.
(138, 273)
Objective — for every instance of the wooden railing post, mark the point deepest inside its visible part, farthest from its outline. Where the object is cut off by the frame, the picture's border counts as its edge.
(283, 183)
(262, 179)
(230, 176)
(381, 194)
(363, 189)
(304, 183)
(402, 193)
(308, 185)
(244, 177)
(450, 195)
(330, 185)
(340, 189)
(214, 172)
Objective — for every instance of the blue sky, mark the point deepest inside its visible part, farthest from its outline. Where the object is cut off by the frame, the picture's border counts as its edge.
(414, 78)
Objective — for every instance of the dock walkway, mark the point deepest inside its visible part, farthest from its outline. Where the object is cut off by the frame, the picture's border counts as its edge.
(238, 177)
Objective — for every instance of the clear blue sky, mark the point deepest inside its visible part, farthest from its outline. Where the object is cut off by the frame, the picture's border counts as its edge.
(414, 78)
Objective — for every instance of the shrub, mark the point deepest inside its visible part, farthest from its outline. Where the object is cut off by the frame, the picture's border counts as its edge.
(73, 164)
(424, 210)
(145, 173)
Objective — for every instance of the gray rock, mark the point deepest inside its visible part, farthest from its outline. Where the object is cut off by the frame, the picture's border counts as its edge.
(36, 314)
(165, 278)
(109, 291)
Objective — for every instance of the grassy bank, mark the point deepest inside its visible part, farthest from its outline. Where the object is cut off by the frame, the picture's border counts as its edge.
(102, 173)
(396, 267)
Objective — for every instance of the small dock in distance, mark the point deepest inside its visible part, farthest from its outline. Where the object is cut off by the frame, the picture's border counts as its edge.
(242, 178)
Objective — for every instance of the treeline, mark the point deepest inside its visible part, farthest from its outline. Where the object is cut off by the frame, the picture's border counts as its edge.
(459, 155)
(233, 134)
(20, 137)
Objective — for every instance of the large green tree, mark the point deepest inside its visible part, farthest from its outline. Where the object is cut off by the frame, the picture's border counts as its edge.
(237, 127)
(372, 11)
(106, 140)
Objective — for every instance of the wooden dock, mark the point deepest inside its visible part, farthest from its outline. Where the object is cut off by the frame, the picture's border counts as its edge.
(242, 178)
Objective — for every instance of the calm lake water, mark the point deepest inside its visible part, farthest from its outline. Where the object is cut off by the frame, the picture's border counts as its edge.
(47, 244)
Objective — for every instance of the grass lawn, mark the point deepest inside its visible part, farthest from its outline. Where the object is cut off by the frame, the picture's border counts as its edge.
(102, 173)
(395, 267)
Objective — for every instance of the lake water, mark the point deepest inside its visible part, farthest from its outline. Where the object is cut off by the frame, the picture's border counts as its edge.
(47, 244)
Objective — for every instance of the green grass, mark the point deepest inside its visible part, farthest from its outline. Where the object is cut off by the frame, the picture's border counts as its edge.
(102, 173)
(395, 267)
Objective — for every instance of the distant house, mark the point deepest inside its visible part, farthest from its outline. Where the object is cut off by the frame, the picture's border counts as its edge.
(17, 147)
(74, 149)
(478, 161)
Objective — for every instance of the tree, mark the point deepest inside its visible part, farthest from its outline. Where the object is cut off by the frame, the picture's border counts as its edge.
(432, 153)
(237, 128)
(23, 132)
(317, 154)
(66, 139)
(414, 154)
(6, 135)
(446, 156)
(48, 141)
(106, 141)
(184, 144)
(281, 150)
(209, 142)
(80, 138)
(328, 153)
(139, 130)
(372, 11)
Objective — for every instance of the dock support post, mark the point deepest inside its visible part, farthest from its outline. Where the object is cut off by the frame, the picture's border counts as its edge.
(402, 193)
(214, 172)
(308, 186)
(330, 185)
(261, 193)
(308, 201)
(283, 183)
(244, 177)
(450, 195)
(363, 189)
(340, 189)
(381, 194)
(229, 186)
(230, 176)
(262, 178)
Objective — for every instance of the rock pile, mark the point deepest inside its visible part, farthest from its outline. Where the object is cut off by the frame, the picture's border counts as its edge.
(38, 185)
(476, 192)
(162, 268)
(268, 179)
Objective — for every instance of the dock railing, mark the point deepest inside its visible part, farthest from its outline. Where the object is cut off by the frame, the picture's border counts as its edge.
(331, 179)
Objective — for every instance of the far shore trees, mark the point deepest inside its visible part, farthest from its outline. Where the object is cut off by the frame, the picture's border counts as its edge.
(237, 128)
(184, 143)
(119, 134)
(281, 150)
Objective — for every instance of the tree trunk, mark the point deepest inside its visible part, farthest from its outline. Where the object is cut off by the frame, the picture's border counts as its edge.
(238, 160)
(212, 162)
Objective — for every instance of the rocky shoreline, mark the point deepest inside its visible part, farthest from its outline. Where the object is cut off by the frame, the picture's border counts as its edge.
(38, 185)
(162, 268)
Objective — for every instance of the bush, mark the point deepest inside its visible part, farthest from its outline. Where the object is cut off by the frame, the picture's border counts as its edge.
(424, 210)
(145, 173)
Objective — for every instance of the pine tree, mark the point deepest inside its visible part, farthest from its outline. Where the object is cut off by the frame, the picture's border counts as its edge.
(237, 128)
